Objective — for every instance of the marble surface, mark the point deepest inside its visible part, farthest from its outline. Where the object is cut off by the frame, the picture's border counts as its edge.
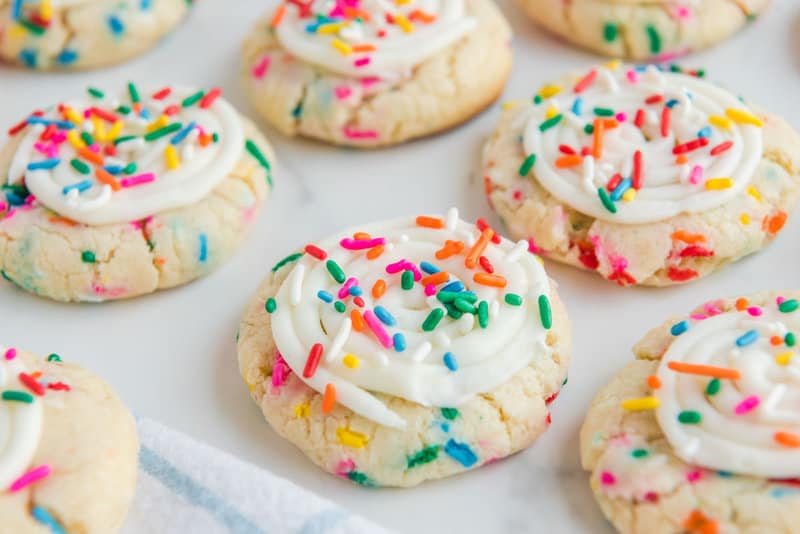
(172, 355)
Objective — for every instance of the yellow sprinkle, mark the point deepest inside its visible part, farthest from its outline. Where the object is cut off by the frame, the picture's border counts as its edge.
(401, 2)
(404, 23)
(351, 361)
(783, 358)
(72, 116)
(745, 218)
(99, 132)
(350, 438)
(539, 259)
(754, 192)
(75, 139)
(46, 10)
(17, 31)
(629, 195)
(157, 124)
(614, 64)
(171, 156)
(720, 122)
(116, 129)
(327, 29)
(510, 104)
(552, 111)
(343, 48)
(302, 410)
(549, 90)
(641, 404)
(744, 117)
(719, 183)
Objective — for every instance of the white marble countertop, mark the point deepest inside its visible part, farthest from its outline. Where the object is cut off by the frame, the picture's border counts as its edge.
(172, 356)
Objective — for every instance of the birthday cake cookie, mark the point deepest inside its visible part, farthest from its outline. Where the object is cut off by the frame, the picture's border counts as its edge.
(647, 176)
(701, 434)
(658, 30)
(115, 194)
(82, 34)
(406, 350)
(371, 73)
(68, 448)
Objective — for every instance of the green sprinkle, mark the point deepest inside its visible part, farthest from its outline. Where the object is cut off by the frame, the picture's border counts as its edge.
(80, 166)
(610, 32)
(655, 39)
(215, 137)
(133, 92)
(192, 100)
(87, 138)
(512, 299)
(270, 305)
(788, 306)
(288, 259)
(124, 138)
(87, 256)
(123, 110)
(464, 306)
(407, 280)
(606, 200)
(537, 99)
(588, 129)
(254, 151)
(690, 417)
(450, 296)
(604, 112)
(639, 453)
(17, 396)
(701, 73)
(130, 168)
(339, 306)
(336, 272)
(426, 455)
(161, 132)
(449, 413)
(432, 320)
(97, 93)
(361, 479)
(453, 312)
(545, 313)
(549, 123)
(31, 27)
(713, 387)
(54, 358)
(789, 339)
(527, 165)
(483, 314)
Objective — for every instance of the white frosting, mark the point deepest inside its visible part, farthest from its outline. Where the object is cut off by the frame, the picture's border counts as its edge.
(767, 396)
(667, 189)
(396, 52)
(199, 170)
(20, 424)
(486, 357)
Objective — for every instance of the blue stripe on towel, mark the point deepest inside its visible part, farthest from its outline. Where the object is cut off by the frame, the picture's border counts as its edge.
(194, 492)
(324, 521)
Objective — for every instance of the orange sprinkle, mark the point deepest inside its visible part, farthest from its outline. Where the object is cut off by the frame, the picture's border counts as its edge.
(435, 279)
(55, 219)
(375, 252)
(421, 16)
(477, 249)
(105, 177)
(742, 303)
(430, 222)
(364, 48)
(597, 140)
(36, 375)
(776, 340)
(686, 237)
(204, 140)
(278, 16)
(653, 382)
(88, 155)
(787, 439)
(355, 13)
(160, 261)
(358, 321)
(700, 523)
(776, 222)
(361, 236)
(329, 398)
(608, 124)
(450, 248)
(491, 280)
(487, 185)
(681, 159)
(378, 289)
(569, 161)
(705, 370)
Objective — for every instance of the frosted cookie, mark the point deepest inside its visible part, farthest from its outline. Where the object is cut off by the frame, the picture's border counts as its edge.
(406, 350)
(659, 30)
(68, 448)
(646, 176)
(82, 34)
(113, 195)
(371, 73)
(701, 434)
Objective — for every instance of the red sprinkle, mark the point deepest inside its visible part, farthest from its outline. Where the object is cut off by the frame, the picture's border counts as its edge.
(694, 144)
(486, 265)
(585, 82)
(314, 356)
(483, 225)
(162, 94)
(105, 115)
(681, 275)
(210, 97)
(655, 99)
(358, 301)
(639, 119)
(694, 251)
(315, 251)
(614, 182)
(566, 149)
(637, 170)
(172, 110)
(31, 383)
(58, 386)
(666, 115)
(722, 147)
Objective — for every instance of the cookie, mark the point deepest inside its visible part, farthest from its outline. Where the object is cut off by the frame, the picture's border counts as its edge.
(656, 30)
(83, 34)
(68, 448)
(370, 73)
(406, 350)
(114, 195)
(646, 176)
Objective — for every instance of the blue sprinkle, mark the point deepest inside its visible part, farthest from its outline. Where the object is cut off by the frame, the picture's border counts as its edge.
(672, 103)
(704, 132)
(399, 342)
(181, 135)
(63, 125)
(384, 315)
(679, 328)
(67, 57)
(145, 5)
(623, 186)
(356, 291)
(41, 515)
(28, 57)
(780, 492)
(725, 474)
(454, 286)
(203, 248)
(748, 338)
(461, 453)
(113, 169)
(14, 199)
(80, 186)
(445, 427)
(44, 164)
(325, 296)
(16, 9)
(577, 106)
(450, 361)
(145, 114)
(428, 267)
(115, 25)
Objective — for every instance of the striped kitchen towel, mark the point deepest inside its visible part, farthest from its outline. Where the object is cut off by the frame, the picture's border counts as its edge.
(187, 487)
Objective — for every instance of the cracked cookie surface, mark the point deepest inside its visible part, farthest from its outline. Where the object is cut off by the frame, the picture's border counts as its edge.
(656, 30)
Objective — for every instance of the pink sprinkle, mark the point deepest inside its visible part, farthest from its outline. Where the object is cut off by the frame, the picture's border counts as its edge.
(3, 206)
(280, 371)
(345, 467)
(532, 248)
(680, 12)
(409, 266)
(352, 133)
(693, 476)
(342, 92)
(375, 325)
(95, 148)
(696, 175)
(362, 62)
(138, 179)
(632, 76)
(344, 291)
(87, 113)
(670, 56)
(698, 316)
(747, 405)
(370, 80)
(779, 300)
(11, 354)
(712, 308)
(430, 289)
(361, 244)
(622, 116)
(607, 479)
(10, 214)
(35, 474)
(396, 267)
(59, 137)
(755, 311)
(260, 69)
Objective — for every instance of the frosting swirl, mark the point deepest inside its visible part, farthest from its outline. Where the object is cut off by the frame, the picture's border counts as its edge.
(109, 159)
(363, 38)
(730, 391)
(638, 145)
(426, 309)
